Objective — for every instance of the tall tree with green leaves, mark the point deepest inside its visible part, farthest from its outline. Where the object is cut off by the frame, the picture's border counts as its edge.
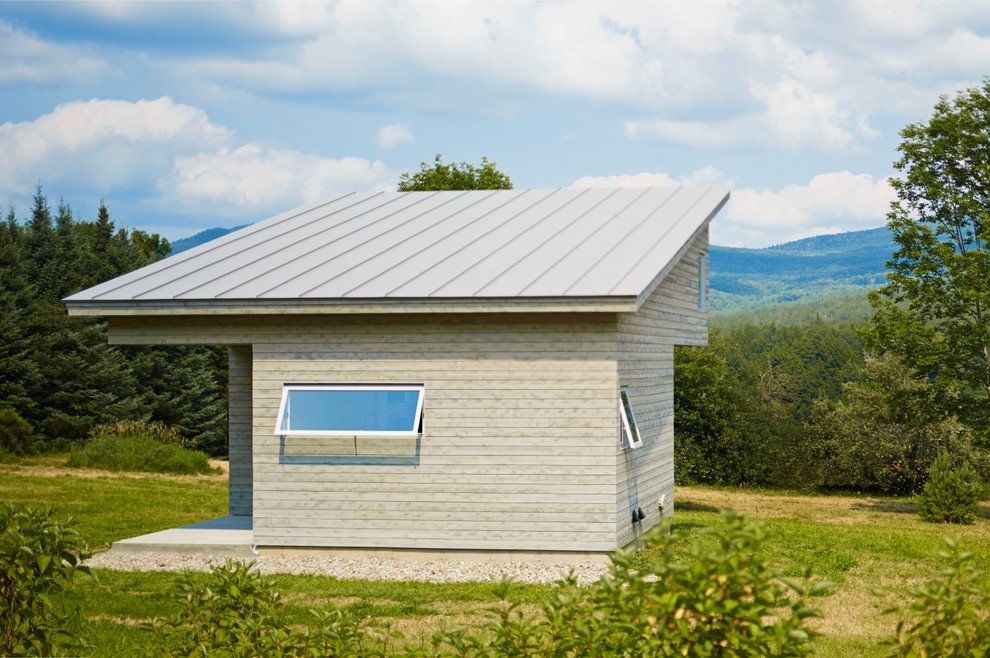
(453, 176)
(934, 311)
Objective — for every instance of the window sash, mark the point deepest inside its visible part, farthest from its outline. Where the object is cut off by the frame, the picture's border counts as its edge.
(350, 410)
(630, 430)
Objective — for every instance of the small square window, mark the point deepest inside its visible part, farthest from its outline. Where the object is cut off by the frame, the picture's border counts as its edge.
(350, 410)
(629, 428)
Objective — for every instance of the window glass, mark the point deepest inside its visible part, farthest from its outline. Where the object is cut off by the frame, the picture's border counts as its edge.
(629, 428)
(350, 410)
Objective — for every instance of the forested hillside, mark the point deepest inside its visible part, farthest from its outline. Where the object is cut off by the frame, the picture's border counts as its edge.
(57, 373)
(841, 264)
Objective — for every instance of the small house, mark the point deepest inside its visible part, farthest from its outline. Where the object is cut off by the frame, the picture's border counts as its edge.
(476, 373)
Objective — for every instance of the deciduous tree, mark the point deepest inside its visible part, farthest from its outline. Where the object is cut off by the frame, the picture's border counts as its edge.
(453, 176)
(935, 309)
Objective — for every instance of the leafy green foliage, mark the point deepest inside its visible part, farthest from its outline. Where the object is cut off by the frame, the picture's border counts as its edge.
(238, 612)
(15, 433)
(453, 176)
(150, 448)
(723, 599)
(39, 557)
(886, 433)
(709, 442)
(951, 495)
(741, 404)
(934, 310)
(947, 616)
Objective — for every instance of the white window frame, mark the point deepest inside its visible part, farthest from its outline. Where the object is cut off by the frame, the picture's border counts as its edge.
(287, 388)
(630, 429)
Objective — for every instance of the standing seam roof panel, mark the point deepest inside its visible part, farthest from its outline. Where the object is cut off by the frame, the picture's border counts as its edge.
(414, 269)
(477, 251)
(505, 244)
(274, 248)
(267, 247)
(378, 267)
(630, 248)
(541, 232)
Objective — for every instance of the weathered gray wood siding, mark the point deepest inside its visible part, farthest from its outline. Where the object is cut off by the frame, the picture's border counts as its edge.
(670, 316)
(239, 428)
(518, 451)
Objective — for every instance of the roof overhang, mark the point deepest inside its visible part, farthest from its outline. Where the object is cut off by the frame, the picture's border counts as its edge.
(160, 308)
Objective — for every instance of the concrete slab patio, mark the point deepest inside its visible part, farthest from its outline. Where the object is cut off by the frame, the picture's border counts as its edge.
(227, 535)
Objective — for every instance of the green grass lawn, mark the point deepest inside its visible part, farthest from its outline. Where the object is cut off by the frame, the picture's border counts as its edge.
(861, 544)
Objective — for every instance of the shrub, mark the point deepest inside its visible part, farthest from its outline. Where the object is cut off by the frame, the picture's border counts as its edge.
(723, 600)
(138, 447)
(950, 495)
(238, 612)
(947, 616)
(39, 556)
(15, 433)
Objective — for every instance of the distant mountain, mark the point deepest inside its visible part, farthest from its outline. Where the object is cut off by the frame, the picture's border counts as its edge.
(830, 266)
(800, 270)
(182, 244)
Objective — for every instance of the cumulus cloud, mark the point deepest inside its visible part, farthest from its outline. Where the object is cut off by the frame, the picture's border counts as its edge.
(829, 203)
(101, 143)
(793, 117)
(388, 137)
(259, 180)
(174, 150)
(27, 58)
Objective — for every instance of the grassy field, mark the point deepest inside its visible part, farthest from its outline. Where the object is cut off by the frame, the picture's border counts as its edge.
(873, 549)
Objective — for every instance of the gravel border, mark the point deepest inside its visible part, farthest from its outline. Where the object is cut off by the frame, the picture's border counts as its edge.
(369, 568)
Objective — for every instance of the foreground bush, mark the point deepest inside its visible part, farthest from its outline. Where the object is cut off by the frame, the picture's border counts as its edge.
(721, 600)
(950, 495)
(237, 612)
(39, 556)
(948, 615)
(15, 432)
(150, 448)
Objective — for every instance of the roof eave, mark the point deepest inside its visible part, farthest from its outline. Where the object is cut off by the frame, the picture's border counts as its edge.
(610, 304)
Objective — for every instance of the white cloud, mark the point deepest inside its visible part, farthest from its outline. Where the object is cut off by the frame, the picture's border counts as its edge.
(704, 176)
(388, 137)
(829, 203)
(793, 117)
(25, 58)
(101, 143)
(255, 179)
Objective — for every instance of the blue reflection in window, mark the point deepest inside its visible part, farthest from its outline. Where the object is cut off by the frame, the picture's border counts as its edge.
(351, 410)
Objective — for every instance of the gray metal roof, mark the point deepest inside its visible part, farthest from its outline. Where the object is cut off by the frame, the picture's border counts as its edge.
(432, 246)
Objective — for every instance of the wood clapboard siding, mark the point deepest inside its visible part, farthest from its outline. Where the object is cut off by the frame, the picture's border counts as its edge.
(239, 429)
(518, 451)
(670, 316)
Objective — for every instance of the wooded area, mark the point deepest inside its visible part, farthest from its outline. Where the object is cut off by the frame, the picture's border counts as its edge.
(58, 374)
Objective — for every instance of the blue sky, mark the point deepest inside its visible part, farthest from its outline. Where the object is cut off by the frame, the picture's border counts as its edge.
(185, 116)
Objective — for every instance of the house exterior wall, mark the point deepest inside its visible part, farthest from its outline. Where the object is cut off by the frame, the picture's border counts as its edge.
(520, 429)
(239, 429)
(670, 316)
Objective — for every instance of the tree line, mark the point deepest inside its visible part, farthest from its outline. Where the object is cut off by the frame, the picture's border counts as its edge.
(58, 376)
(870, 406)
